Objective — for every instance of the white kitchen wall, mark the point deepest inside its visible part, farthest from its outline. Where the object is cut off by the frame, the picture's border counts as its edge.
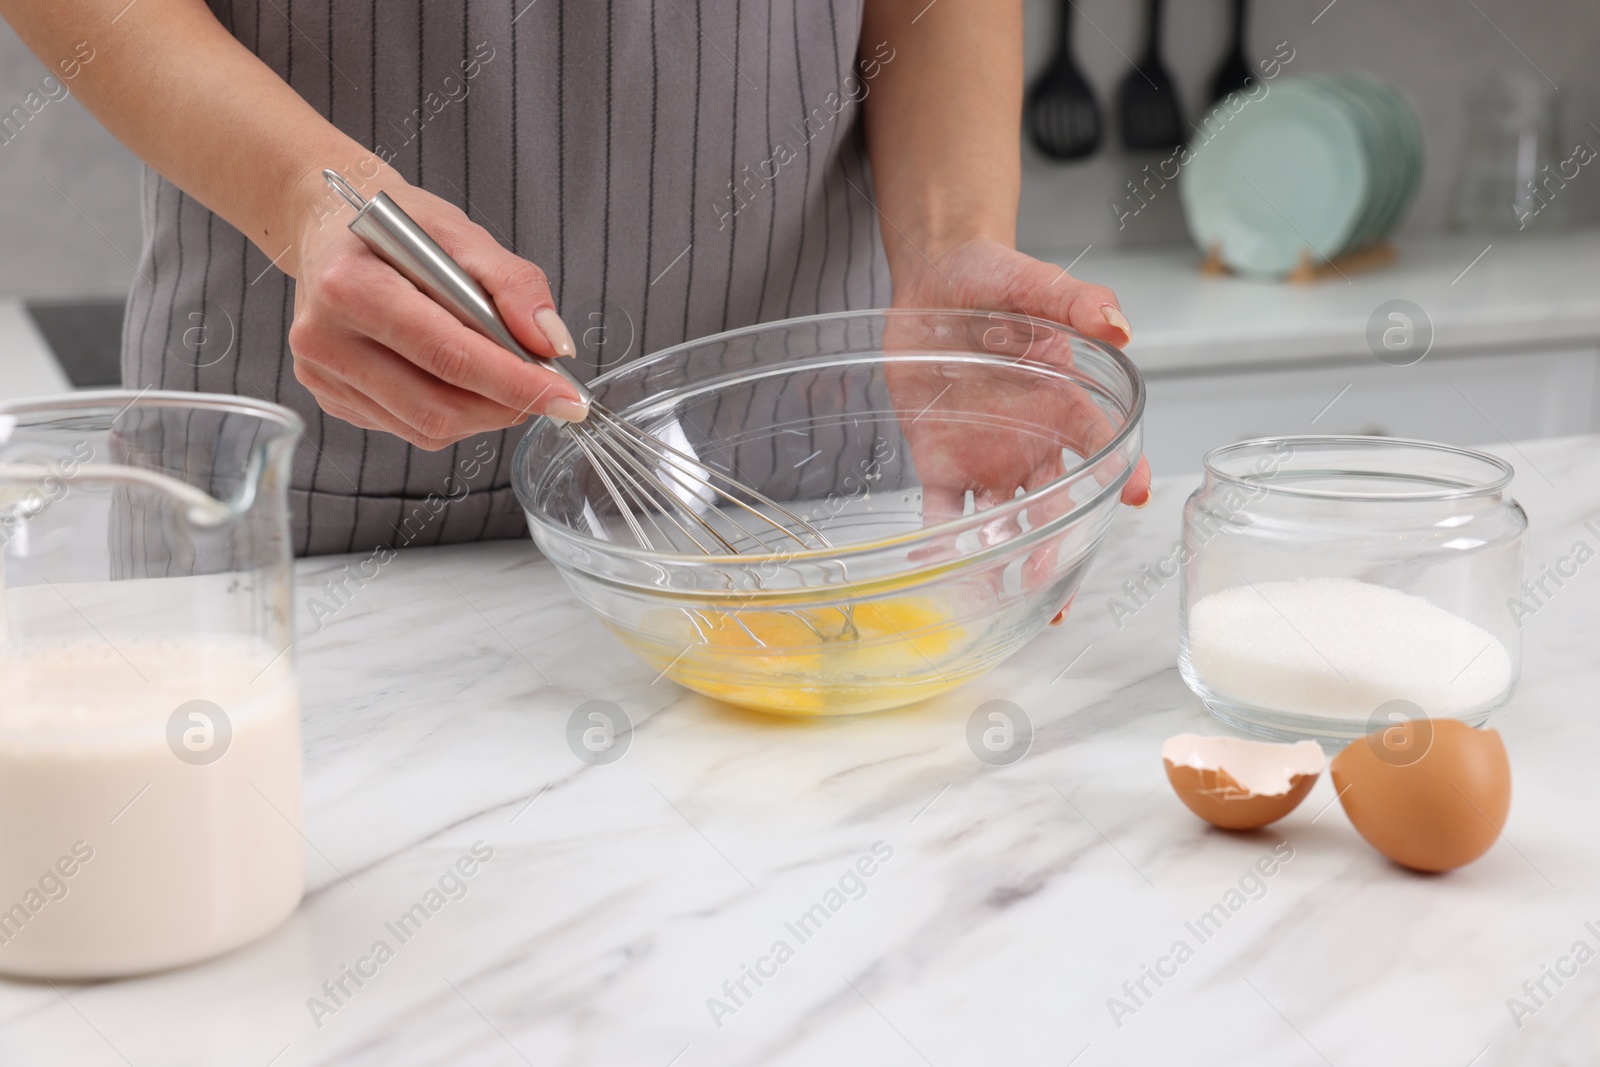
(75, 239)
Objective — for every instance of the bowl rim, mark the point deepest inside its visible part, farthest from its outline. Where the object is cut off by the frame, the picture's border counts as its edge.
(950, 527)
(1504, 471)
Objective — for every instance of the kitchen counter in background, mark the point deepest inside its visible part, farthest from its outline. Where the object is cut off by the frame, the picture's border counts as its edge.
(1515, 351)
(1006, 904)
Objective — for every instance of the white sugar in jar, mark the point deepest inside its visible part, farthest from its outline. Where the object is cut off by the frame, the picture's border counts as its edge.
(1332, 585)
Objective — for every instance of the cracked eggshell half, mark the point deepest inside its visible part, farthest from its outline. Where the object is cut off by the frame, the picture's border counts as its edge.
(1238, 784)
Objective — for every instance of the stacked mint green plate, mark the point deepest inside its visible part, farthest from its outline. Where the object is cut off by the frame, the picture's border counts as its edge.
(1309, 168)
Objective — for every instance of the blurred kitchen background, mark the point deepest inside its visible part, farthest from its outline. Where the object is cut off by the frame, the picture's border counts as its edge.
(1509, 324)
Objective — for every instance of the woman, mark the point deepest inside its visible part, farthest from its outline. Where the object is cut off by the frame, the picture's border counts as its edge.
(656, 169)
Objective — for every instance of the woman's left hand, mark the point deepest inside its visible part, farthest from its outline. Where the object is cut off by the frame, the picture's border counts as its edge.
(987, 275)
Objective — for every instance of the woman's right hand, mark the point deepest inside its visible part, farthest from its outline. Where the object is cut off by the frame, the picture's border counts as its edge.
(378, 353)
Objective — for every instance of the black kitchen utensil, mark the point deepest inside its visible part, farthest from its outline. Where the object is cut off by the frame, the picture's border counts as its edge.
(1147, 101)
(1063, 118)
(1235, 72)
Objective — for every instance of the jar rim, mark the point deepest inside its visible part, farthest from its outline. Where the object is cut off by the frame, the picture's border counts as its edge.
(1461, 472)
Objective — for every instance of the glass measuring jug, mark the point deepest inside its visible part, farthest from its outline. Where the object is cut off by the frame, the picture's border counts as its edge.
(149, 720)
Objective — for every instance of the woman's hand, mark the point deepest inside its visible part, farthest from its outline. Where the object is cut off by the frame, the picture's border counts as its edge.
(1030, 425)
(378, 353)
(987, 275)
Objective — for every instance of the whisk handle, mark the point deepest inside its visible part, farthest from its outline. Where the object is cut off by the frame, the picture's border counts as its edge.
(405, 246)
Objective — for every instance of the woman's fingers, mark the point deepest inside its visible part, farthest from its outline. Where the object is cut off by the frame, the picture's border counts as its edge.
(433, 340)
(522, 294)
(342, 402)
(399, 397)
(1136, 490)
(1003, 279)
(1045, 290)
(519, 289)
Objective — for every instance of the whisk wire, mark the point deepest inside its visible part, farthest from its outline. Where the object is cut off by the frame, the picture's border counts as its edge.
(647, 498)
(685, 467)
(618, 450)
(601, 470)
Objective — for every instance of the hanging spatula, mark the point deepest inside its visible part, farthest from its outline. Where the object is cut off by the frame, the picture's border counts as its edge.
(1062, 116)
(1147, 101)
(1235, 72)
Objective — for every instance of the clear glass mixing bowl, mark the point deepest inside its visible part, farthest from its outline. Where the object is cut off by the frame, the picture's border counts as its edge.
(963, 465)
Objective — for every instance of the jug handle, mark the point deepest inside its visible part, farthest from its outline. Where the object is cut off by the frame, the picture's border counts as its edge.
(203, 509)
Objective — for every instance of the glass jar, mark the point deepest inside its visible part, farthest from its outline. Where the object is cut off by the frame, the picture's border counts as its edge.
(1333, 584)
(149, 721)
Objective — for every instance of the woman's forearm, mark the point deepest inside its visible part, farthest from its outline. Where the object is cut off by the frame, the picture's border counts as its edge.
(943, 121)
(170, 82)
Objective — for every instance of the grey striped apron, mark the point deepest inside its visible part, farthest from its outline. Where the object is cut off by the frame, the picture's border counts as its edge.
(677, 167)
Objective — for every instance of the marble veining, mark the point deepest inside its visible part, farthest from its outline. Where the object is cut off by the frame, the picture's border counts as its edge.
(1017, 904)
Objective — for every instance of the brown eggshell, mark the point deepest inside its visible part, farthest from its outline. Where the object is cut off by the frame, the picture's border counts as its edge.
(1219, 800)
(1433, 812)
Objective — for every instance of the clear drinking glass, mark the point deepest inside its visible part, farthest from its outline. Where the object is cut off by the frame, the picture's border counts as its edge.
(1334, 584)
(1514, 170)
(149, 721)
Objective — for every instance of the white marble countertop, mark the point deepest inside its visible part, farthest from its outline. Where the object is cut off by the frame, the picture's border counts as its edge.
(1481, 292)
(1013, 903)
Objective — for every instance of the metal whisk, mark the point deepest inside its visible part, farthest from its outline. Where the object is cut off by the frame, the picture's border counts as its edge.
(650, 481)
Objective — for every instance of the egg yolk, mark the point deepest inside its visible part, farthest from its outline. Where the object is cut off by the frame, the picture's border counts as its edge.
(813, 661)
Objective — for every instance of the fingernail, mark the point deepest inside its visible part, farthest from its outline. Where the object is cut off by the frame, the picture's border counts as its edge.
(1146, 501)
(567, 410)
(1062, 614)
(556, 332)
(1116, 318)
